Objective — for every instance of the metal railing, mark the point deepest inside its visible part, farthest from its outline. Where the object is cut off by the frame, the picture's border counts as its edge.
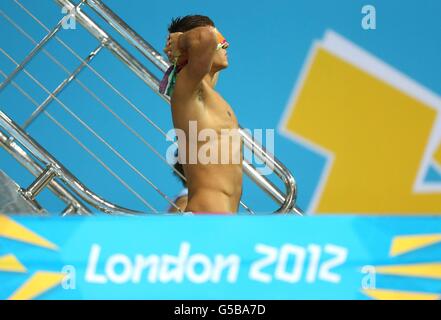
(52, 169)
(286, 200)
(73, 205)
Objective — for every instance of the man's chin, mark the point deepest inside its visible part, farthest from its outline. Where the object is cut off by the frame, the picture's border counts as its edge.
(221, 67)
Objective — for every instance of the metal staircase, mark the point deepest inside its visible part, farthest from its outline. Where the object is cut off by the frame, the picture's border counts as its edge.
(49, 172)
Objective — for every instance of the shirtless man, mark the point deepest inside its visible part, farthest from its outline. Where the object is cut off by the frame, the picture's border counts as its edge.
(199, 51)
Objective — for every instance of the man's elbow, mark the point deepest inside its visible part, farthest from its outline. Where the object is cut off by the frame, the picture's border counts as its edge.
(204, 38)
(202, 51)
(208, 38)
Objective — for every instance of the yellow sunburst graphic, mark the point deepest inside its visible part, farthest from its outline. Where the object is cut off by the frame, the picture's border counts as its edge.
(40, 281)
(431, 270)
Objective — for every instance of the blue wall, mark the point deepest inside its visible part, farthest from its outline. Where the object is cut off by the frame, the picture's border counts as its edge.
(269, 42)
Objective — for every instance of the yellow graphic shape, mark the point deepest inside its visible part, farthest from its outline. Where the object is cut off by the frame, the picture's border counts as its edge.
(404, 244)
(38, 284)
(380, 294)
(437, 156)
(9, 263)
(12, 230)
(376, 133)
(421, 270)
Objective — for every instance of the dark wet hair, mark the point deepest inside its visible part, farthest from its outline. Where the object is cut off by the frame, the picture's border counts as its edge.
(186, 23)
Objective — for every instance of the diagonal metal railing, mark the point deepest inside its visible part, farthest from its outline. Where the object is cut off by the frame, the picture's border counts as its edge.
(286, 199)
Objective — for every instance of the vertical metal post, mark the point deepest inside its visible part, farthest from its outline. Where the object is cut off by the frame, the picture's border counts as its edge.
(129, 34)
(40, 183)
(37, 48)
(70, 209)
(61, 87)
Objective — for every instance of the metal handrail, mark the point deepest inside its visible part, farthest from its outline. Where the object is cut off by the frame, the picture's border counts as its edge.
(35, 169)
(63, 174)
(287, 200)
(129, 34)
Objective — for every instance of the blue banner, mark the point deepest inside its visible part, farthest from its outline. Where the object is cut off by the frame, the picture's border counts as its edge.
(210, 257)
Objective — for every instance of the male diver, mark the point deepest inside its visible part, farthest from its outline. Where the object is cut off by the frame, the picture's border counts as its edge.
(199, 53)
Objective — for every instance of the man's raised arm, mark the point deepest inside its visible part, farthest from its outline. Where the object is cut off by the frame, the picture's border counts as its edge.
(197, 47)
